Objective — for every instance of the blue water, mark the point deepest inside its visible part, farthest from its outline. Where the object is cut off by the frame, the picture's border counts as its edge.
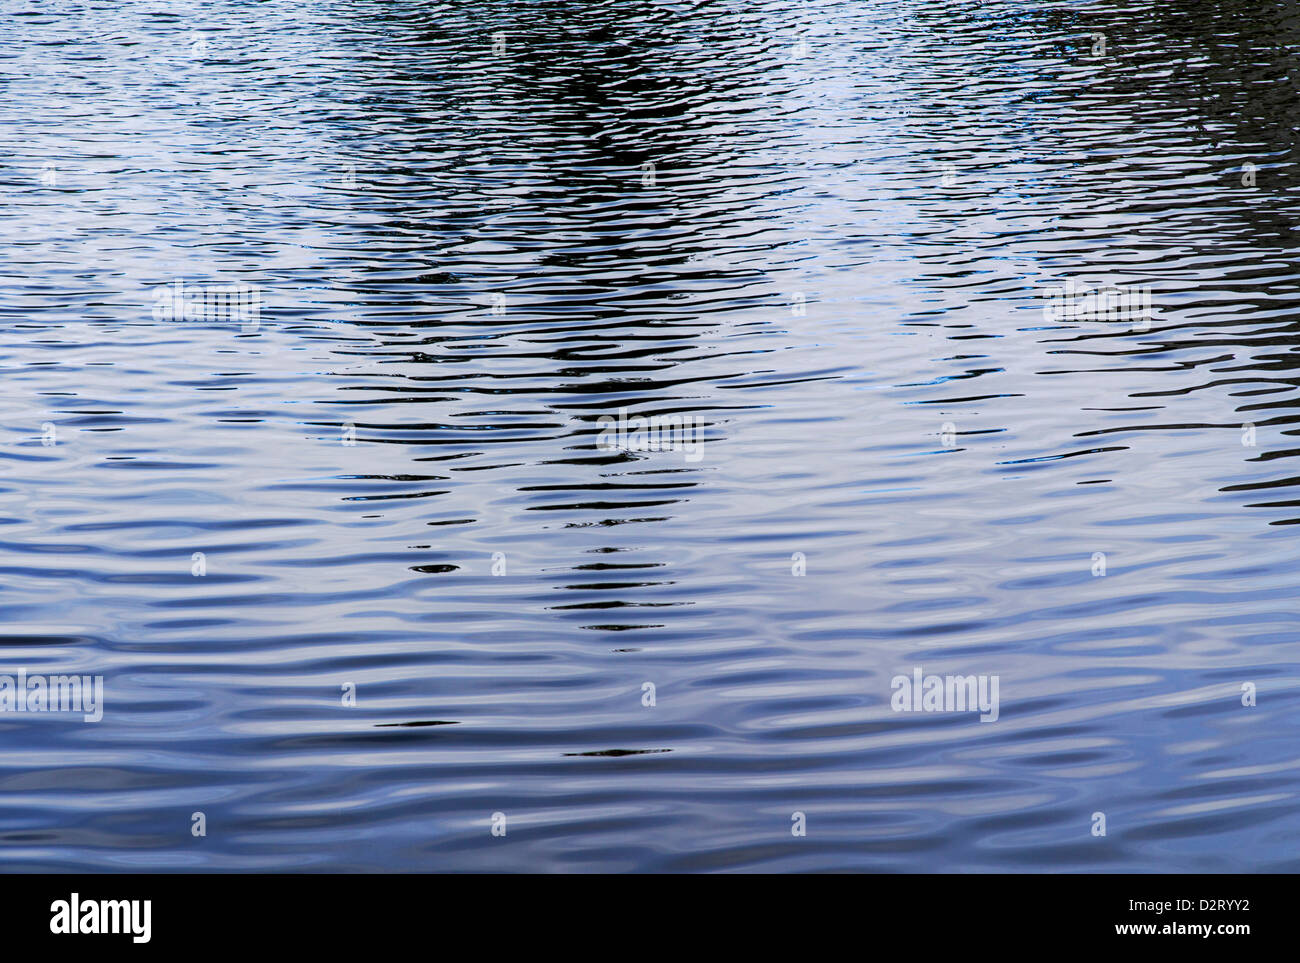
(829, 231)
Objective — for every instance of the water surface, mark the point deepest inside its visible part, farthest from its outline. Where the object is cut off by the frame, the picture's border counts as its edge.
(827, 230)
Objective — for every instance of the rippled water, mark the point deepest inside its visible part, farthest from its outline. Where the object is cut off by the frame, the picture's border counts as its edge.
(828, 230)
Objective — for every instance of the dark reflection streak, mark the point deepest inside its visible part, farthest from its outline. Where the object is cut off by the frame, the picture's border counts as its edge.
(581, 196)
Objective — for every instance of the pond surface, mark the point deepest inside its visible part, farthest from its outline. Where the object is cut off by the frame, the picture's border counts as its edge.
(365, 579)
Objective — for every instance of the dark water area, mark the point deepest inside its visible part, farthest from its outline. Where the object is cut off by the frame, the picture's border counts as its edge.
(359, 576)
